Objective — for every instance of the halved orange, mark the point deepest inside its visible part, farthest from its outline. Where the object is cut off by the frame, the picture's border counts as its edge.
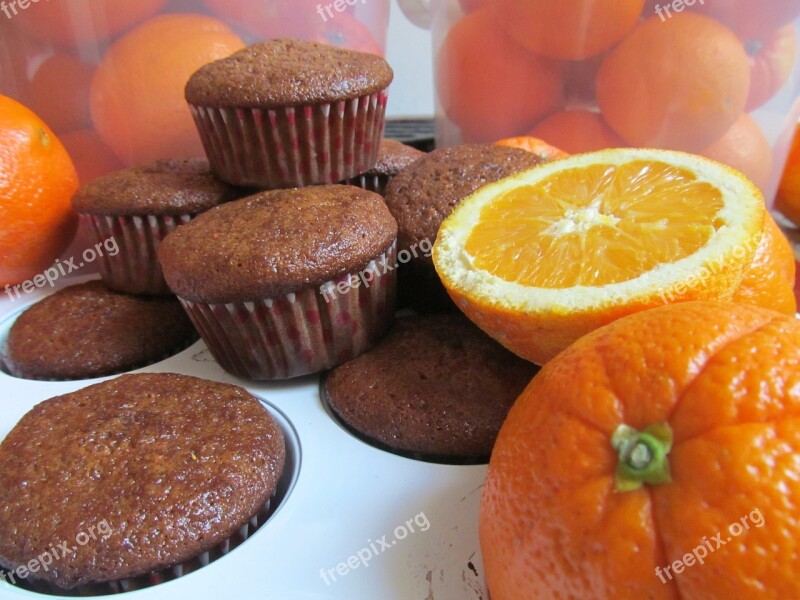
(543, 257)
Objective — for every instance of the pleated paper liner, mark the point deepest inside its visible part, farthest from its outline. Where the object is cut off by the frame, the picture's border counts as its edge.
(371, 182)
(135, 268)
(303, 332)
(292, 146)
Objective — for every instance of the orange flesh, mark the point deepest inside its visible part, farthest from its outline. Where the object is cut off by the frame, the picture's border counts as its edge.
(595, 225)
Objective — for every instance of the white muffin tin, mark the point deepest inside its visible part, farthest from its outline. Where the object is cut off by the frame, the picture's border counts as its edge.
(356, 523)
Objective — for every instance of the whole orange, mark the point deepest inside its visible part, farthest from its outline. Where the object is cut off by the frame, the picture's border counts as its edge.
(490, 86)
(60, 92)
(636, 447)
(136, 97)
(568, 29)
(745, 147)
(37, 181)
(771, 62)
(770, 279)
(678, 84)
(577, 130)
(74, 23)
(788, 198)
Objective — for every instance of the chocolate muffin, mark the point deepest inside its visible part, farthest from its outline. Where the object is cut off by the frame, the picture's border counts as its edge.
(437, 388)
(285, 113)
(146, 476)
(393, 157)
(87, 330)
(425, 193)
(287, 282)
(135, 208)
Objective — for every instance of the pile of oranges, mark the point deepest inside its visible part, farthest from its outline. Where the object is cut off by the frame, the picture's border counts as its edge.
(590, 74)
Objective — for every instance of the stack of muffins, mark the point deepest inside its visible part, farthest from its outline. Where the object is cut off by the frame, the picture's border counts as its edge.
(292, 118)
(284, 272)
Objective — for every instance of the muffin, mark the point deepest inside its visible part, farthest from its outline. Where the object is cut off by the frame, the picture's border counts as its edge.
(437, 388)
(425, 193)
(130, 211)
(286, 113)
(287, 282)
(162, 473)
(393, 157)
(87, 330)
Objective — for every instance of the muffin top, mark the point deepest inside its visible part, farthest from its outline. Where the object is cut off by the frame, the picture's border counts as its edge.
(424, 194)
(436, 386)
(87, 330)
(173, 464)
(164, 187)
(287, 72)
(277, 242)
(393, 157)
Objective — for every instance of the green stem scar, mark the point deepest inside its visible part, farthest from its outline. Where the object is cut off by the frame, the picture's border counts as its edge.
(642, 456)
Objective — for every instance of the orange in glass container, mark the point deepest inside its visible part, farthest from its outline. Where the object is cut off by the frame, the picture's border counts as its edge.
(745, 147)
(75, 23)
(771, 62)
(578, 130)
(568, 29)
(678, 84)
(491, 86)
(60, 92)
(90, 154)
(136, 98)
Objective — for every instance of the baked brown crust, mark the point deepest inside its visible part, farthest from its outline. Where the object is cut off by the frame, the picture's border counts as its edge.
(436, 385)
(287, 72)
(163, 187)
(393, 157)
(173, 464)
(277, 242)
(87, 330)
